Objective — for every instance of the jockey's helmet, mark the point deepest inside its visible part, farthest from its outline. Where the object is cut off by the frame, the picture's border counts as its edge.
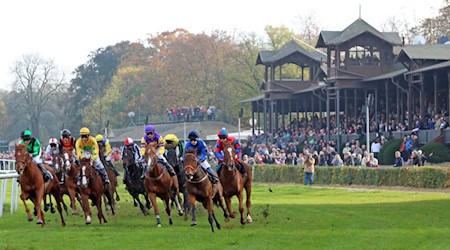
(26, 134)
(65, 133)
(149, 129)
(85, 131)
(193, 135)
(53, 141)
(171, 138)
(99, 137)
(223, 133)
(128, 141)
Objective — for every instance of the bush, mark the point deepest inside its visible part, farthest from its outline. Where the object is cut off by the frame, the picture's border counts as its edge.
(419, 177)
(439, 150)
(387, 156)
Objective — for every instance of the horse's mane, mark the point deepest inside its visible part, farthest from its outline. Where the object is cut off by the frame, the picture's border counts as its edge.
(20, 146)
(191, 150)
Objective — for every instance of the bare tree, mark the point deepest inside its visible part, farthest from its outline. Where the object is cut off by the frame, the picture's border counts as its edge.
(36, 80)
(308, 27)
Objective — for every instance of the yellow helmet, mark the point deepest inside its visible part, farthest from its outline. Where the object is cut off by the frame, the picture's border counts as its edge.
(171, 138)
(85, 131)
(99, 137)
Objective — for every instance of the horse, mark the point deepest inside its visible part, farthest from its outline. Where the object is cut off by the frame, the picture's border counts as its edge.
(172, 158)
(69, 186)
(200, 189)
(33, 186)
(112, 188)
(91, 188)
(134, 183)
(233, 182)
(158, 183)
(56, 164)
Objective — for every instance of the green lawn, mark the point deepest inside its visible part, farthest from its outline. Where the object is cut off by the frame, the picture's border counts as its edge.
(290, 217)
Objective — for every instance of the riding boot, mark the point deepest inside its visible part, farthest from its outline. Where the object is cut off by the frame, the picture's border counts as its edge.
(104, 175)
(47, 175)
(113, 168)
(125, 176)
(242, 170)
(170, 169)
(212, 176)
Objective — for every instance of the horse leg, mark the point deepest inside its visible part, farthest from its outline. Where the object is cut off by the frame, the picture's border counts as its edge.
(58, 198)
(39, 198)
(148, 204)
(143, 209)
(193, 209)
(168, 209)
(248, 203)
(241, 207)
(106, 202)
(98, 203)
(208, 204)
(229, 208)
(24, 196)
(72, 200)
(86, 208)
(46, 205)
(152, 197)
(226, 215)
(135, 204)
(117, 195)
(52, 209)
(64, 204)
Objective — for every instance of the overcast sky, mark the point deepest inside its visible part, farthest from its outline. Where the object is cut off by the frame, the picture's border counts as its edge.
(68, 30)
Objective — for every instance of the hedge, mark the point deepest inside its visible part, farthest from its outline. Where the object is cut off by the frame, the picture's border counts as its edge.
(418, 177)
(439, 150)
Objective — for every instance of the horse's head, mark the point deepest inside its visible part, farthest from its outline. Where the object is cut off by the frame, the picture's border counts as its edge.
(172, 157)
(229, 155)
(86, 170)
(190, 163)
(22, 158)
(56, 161)
(128, 157)
(67, 153)
(150, 154)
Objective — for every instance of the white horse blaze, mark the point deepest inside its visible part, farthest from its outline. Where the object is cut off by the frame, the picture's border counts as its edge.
(83, 178)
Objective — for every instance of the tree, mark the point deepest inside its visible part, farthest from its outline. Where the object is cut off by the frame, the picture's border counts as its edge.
(309, 28)
(434, 27)
(36, 81)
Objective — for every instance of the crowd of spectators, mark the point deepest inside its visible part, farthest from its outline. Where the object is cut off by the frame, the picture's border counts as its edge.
(191, 113)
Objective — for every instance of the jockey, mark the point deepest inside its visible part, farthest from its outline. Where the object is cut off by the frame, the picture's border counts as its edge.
(223, 137)
(196, 143)
(152, 136)
(103, 144)
(133, 147)
(172, 141)
(66, 140)
(34, 148)
(52, 148)
(87, 143)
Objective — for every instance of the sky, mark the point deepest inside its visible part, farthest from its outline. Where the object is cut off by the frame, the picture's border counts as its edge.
(67, 31)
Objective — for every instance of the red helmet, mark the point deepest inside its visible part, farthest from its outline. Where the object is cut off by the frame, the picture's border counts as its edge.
(128, 141)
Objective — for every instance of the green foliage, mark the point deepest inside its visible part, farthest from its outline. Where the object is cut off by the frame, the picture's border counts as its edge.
(440, 152)
(387, 153)
(420, 177)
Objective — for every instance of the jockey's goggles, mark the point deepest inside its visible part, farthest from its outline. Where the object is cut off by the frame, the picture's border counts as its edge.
(52, 145)
(84, 136)
(149, 133)
(222, 137)
(26, 138)
(169, 141)
(193, 139)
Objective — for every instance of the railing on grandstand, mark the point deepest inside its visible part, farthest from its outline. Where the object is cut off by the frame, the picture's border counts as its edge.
(8, 172)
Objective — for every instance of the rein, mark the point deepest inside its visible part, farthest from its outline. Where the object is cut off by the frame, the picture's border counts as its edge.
(196, 169)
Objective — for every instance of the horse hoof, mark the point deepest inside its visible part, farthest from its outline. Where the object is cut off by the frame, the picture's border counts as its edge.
(159, 225)
(135, 204)
(180, 213)
(88, 220)
(52, 210)
(46, 208)
(242, 221)
(39, 222)
(117, 198)
(194, 223)
(249, 219)
(30, 219)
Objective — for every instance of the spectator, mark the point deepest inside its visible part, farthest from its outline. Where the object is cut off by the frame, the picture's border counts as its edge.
(309, 169)
(372, 161)
(398, 159)
(337, 161)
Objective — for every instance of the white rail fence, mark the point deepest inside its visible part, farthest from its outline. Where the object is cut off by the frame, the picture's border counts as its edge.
(8, 172)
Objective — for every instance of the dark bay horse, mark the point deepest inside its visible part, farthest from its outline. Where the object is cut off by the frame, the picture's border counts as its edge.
(112, 187)
(91, 188)
(134, 183)
(174, 161)
(32, 184)
(69, 186)
(158, 183)
(200, 189)
(233, 182)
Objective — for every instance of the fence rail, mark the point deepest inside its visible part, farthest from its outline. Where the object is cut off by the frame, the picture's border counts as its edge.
(8, 172)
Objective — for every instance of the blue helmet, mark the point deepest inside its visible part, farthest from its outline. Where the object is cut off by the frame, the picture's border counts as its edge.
(223, 132)
(193, 135)
(150, 129)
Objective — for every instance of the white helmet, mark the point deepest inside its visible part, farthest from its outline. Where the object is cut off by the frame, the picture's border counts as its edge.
(53, 141)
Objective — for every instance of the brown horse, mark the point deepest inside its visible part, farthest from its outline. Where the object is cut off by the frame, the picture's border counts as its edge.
(158, 183)
(200, 189)
(234, 184)
(32, 184)
(91, 188)
(69, 187)
(108, 196)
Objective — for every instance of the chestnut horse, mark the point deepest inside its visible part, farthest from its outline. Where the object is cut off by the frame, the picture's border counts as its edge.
(91, 188)
(32, 184)
(134, 183)
(158, 183)
(69, 186)
(200, 189)
(111, 189)
(234, 184)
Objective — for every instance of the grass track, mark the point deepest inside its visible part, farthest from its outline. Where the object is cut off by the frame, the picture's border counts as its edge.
(290, 217)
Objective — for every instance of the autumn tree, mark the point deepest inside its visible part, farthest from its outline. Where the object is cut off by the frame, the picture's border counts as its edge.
(36, 82)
